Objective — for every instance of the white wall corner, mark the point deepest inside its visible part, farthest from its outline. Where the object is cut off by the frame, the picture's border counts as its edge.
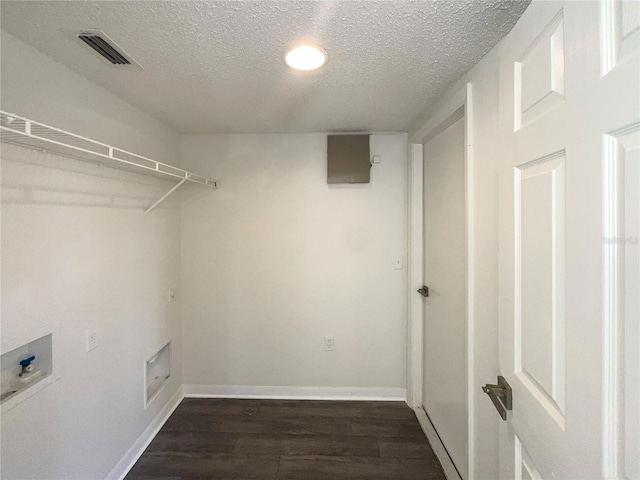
(137, 449)
(437, 115)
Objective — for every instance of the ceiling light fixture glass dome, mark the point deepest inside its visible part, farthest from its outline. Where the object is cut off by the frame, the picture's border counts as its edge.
(306, 57)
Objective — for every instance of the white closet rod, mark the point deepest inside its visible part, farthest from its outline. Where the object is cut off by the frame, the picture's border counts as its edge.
(28, 133)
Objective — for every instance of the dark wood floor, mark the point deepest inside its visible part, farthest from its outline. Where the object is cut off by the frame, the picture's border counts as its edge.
(208, 439)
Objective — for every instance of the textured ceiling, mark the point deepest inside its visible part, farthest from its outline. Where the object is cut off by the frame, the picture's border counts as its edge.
(216, 66)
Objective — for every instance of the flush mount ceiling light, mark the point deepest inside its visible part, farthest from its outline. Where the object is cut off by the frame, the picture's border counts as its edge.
(306, 57)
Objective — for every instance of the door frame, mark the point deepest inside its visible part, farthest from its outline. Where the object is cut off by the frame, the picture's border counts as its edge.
(458, 106)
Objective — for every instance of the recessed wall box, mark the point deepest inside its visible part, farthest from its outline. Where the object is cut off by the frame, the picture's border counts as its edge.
(25, 367)
(157, 370)
(348, 159)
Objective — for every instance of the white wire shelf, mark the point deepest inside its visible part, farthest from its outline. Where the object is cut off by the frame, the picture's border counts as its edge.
(28, 133)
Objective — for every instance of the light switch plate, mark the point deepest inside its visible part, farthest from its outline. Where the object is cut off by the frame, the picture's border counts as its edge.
(92, 339)
(398, 263)
(328, 343)
(173, 294)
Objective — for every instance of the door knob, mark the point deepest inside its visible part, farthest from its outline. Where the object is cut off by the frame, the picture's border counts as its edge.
(424, 291)
(500, 395)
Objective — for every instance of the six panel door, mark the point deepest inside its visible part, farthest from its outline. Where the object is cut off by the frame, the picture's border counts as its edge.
(569, 186)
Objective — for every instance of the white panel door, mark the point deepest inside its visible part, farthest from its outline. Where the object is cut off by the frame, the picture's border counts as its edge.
(569, 268)
(444, 384)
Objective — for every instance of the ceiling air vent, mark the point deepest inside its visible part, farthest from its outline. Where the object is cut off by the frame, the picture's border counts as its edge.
(101, 44)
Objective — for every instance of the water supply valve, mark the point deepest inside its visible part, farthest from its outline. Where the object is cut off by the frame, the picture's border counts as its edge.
(27, 366)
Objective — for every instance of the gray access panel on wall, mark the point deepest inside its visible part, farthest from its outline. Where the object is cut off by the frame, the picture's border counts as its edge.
(348, 159)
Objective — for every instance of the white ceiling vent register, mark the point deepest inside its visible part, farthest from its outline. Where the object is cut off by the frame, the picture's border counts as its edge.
(105, 47)
(27, 133)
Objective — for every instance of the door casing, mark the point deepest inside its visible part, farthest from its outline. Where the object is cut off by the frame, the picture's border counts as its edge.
(460, 104)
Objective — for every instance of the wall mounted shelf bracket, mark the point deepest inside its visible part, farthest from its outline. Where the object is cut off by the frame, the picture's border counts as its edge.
(162, 198)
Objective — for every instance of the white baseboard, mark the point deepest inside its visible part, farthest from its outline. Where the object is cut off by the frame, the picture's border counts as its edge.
(447, 465)
(143, 441)
(295, 393)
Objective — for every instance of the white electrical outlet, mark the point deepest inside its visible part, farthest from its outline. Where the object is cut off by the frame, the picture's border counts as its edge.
(173, 294)
(328, 344)
(92, 338)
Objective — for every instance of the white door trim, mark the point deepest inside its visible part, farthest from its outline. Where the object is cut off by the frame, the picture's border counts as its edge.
(460, 102)
(415, 271)
(469, 230)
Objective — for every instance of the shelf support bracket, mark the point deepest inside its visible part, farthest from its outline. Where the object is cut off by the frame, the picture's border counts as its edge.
(163, 198)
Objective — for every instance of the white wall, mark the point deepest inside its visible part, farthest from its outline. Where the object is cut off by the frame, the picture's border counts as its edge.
(276, 259)
(78, 252)
(484, 238)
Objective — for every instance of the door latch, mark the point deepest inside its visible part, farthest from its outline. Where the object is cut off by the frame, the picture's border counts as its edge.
(500, 395)
(424, 291)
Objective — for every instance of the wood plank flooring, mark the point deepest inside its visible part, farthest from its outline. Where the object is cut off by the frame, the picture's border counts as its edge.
(226, 439)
